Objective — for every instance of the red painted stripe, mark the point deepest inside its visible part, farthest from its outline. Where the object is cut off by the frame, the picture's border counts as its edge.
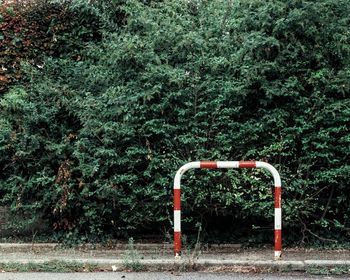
(208, 164)
(278, 239)
(177, 199)
(247, 164)
(278, 191)
(177, 242)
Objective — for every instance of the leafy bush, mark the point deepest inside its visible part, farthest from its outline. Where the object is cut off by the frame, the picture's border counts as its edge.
(94, 143)
(31, 29)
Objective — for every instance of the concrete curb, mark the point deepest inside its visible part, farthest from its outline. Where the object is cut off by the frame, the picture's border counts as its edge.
(327, 263)
(159, 257)
(199, 264)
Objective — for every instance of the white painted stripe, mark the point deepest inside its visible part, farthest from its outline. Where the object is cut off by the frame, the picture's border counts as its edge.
(190, 165)
(177, 220)
(278, 254)
(273, 171)
(182, 170)
(228, 164)
(278, 218)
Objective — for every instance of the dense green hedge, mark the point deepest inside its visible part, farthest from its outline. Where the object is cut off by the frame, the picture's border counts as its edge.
(92, 145)
(30, 29)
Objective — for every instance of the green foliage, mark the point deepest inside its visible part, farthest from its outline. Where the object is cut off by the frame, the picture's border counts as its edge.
(132, 258)
(326, 270)
(32, 28)
(50, 266)
(94, 143)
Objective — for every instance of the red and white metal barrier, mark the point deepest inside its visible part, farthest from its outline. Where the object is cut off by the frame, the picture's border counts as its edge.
(227, 164)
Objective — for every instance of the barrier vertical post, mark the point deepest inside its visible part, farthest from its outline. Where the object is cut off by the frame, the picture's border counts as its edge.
(228, 164)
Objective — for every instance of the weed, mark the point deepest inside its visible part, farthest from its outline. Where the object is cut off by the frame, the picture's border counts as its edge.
(131, 258)
(51, 266)
(327, 270)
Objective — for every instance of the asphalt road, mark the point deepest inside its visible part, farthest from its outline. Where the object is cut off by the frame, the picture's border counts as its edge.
(159, 276)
